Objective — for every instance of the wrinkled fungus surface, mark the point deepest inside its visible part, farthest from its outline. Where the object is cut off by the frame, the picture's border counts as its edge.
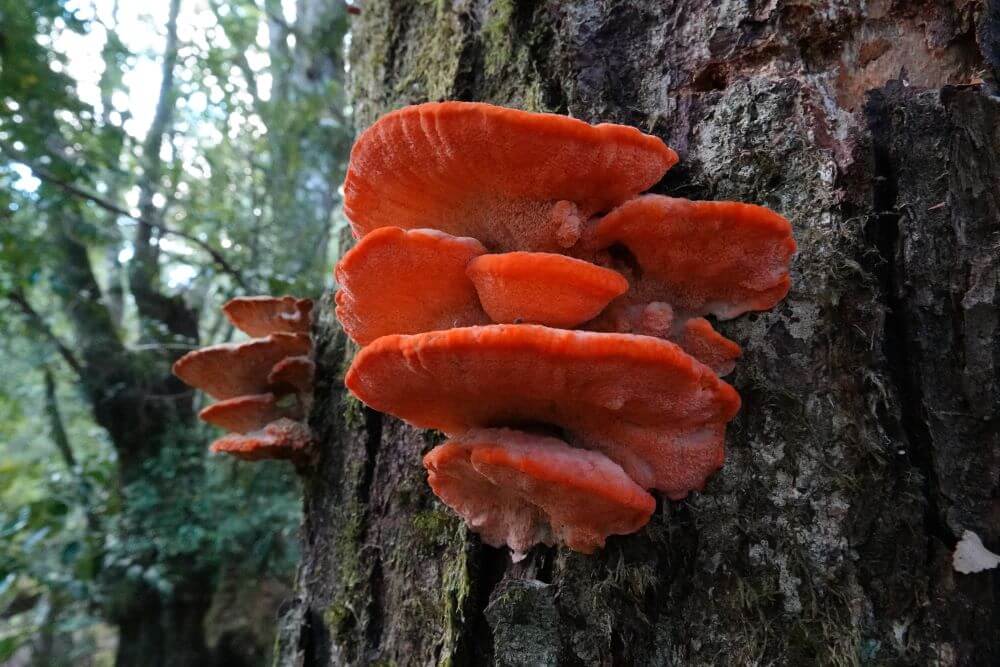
(239, 369)
(407, 281)
(250, 413)
(293, 372)
(282, 439)
(701, 257)
(518, 489)
(708, 346)
(514, 180)
(262, 315)
(262, 386)
(643, 402)
(543, 288)
(486, 235)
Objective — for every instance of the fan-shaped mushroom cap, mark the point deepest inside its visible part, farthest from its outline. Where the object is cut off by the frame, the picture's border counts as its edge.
(239, 369)
(294, 372)
(642, 401)
(250, 413)
(519, 489)
(281, 439)
(543, 288)
(512, 179)
(262, 315)
(407, 281)
(695, 335)
(701, 257)
(708, 346)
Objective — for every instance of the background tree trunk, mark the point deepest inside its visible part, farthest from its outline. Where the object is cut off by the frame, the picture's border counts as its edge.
(868, 438)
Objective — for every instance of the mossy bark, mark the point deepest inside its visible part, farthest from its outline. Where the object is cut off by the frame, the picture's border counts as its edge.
(868, 438)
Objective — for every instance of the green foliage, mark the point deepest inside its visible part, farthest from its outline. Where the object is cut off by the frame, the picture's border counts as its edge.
(252, 157)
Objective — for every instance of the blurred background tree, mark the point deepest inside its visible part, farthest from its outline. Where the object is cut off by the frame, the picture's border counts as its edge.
(156, 159)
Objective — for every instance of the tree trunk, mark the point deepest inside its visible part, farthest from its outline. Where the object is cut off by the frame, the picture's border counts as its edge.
(868, 437)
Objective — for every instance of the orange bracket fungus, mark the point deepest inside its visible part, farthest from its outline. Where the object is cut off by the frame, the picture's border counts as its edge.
(518, 489)
(263, 386)
(701, 257)
(262, 315)
(543, 288)
(642, 401)
(510, 279)
(513, 180)
(407, 281)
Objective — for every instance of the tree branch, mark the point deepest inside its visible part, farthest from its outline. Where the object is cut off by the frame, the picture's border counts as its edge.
(61, 439)
(56, 423)
(36, 321)
(111, 207)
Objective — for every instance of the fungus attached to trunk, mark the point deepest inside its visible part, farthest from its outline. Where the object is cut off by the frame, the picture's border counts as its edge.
(239, 369)
(517, 489)
(701, 257)
(282, 439)
(511, 179)
(642, 401)
(407, 281)
(250, 413)
(263, 385)
(637, 397)
(263, 315)
(708, 346)
(293, 372)
(543, 288)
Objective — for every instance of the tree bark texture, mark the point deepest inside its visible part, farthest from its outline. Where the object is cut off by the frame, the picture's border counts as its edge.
(868, 437)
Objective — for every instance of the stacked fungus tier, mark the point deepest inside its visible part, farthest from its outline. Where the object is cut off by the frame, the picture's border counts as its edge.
(513, 288)
(263, 387)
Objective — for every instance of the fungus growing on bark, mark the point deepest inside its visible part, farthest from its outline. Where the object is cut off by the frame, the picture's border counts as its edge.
(642, 401)
(407, 281)
(701, 257)
(518, 489)
(637, 397)
(695, 335)
(543, 288)
(262, 315)
(511, 179)
(281, 439)
(239, 369)
(708, 346)
(262, 385)
(250, 413)
(294, 372)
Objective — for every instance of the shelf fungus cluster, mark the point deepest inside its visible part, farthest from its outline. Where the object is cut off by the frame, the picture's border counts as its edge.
(263, 387)
(513, 288)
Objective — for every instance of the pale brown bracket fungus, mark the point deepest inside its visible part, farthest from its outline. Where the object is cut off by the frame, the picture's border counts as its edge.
(511, 179)
(262, 385)
(543, 288)
(518, 489)
(651, 408)
(262, 315)
(636, 397)
(407, 281)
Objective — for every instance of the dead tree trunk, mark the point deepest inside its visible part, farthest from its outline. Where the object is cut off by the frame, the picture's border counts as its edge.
(868, 438)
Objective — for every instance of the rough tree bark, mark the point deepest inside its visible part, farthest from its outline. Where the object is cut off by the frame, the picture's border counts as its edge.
(868, 438)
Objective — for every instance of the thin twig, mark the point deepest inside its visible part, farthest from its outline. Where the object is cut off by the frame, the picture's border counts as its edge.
(111, 207)
(35, 319)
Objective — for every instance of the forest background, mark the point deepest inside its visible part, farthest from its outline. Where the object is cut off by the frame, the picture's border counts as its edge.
(156, 159)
